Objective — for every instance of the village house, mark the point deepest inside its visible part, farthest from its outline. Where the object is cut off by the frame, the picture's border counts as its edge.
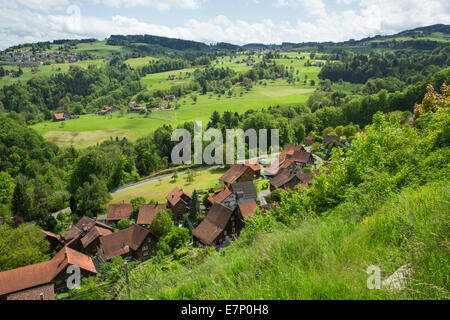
(239, 172)
(224, 196)
(170, 98)
(40, 281)
(147, 213)
(117, 212)
(246, 210)
(64, 116)
(291, 181)
(244, 191)
(135, 243)
(138, 108)
(107, 110)
(132, 104)
(309, 141)
(178, 201)
(220, 226)
(83, 235)
(327, 140)
(297, 161)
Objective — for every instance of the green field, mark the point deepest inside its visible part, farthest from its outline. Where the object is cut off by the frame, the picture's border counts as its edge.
(159, 190)
(46, 71)
(89, 130)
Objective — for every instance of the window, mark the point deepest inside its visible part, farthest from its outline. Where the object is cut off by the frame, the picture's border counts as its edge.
(233, 223)
(233, 230)
(144, 248)
(145, 254)
(225, 233)
(149, 240)
(232, 218)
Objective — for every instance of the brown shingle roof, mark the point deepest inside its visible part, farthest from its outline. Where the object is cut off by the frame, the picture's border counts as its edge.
(44, 272)
(119, 211)
(248, 209)
(309, 141)
(288, 150)
(85, 224)
(178, 194)
(306, 178)
(95, 233)
(214, 223)
(234, 173)
(329, 139)
(281, 179)
(121, 242)
(244, 191)
(300, 157)
(220, 195)
(147, 213)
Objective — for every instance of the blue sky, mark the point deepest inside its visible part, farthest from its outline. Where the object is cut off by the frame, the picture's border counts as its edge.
(239, 22)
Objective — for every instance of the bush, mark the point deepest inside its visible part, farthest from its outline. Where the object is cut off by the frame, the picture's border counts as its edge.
(123, 224)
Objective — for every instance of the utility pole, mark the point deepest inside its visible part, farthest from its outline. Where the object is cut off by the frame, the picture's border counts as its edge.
(127, 279)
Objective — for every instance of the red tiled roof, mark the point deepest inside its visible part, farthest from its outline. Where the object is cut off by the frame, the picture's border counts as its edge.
(248, 209)
(119, 211)
(121, 242)
(214, 224)
(176, 195)
(253, 164)
(289, 149)
(147, 213)
(309, 141)
(44, 272)
(59, 116)
(220, 195)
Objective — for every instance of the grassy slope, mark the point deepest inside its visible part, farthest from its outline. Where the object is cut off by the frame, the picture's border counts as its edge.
(98, 128)
(324, 258)
(159, 190)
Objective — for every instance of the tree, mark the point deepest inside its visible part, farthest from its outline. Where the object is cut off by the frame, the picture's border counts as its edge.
(91, 197)
(194, 207)
(6, 188)
(178, 238)
(21, 201)
(123, 224)
(190, 176)
(162, 224)
(22, 246)
(136, 203)
(300, 133)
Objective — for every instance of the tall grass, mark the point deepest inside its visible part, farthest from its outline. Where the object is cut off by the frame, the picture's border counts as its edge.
(321, 258)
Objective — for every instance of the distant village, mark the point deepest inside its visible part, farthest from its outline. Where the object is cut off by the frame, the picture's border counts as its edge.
(91, 242)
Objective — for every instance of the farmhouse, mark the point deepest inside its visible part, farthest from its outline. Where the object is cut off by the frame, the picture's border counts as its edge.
(40, 281)
(327, 140)
(291, 181)
(147, 213)
(244, 191)
(117, 212)
(239, 172)
(74, 237)
(170, 97)
(220, 226)
(107, 110)
(91, 240)
(309, 141)
(134, 242)
(224, 196)
(246, 210)
(178, 201)
(138, 108)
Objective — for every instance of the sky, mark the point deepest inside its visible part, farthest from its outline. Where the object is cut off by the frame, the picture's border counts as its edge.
(211, 21)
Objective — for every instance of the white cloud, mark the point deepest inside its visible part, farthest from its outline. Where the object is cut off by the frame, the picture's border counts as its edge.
(161, 5)
(368, 18)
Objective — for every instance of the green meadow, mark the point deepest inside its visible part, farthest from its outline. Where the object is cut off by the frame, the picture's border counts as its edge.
(158, 191)
(46, 70)
(90, 130)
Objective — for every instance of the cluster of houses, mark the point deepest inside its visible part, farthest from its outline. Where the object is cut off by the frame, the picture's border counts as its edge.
(89, 243)
(26, 58)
